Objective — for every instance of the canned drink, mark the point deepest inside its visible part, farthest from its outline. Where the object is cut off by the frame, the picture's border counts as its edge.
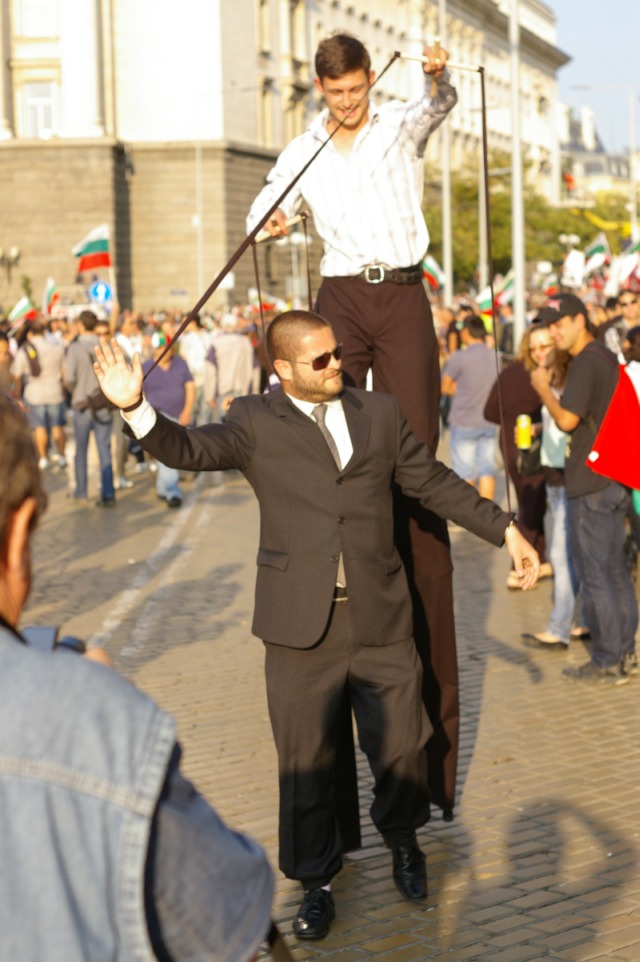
(523, 431)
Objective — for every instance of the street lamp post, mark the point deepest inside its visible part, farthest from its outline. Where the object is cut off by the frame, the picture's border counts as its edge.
(517, 198)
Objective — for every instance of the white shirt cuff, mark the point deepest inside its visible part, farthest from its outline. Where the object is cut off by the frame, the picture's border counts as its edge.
(141, 420)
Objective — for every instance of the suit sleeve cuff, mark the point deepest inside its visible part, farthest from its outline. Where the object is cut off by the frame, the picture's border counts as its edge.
(141, 420)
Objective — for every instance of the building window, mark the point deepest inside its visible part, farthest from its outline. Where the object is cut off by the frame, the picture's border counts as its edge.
(266, 112)
(36, 18)
(264, 26)
(297, 31)
(39, 101)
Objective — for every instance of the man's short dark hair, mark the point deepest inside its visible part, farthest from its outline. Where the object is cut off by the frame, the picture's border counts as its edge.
(88, 320)
(341, 54)
(475, 326)
(19, 473)
(285, 330)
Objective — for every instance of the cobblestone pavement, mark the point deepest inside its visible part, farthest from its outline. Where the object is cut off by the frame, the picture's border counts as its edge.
(543, 858)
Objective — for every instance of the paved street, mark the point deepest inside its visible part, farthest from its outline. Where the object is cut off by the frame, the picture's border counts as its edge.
(543, 859)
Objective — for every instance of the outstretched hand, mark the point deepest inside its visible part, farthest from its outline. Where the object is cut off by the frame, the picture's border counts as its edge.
(120, 382)
(525, 558)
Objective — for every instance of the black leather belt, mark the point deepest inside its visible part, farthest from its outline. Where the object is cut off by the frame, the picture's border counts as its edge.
(377, 273)
(340, 594)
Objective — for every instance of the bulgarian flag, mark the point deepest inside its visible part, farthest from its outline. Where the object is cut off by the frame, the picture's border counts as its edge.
(597, 254)
(551, 285)
(93, 251)
(505, 292)
(615, 455)
(50, 297)
(483, 303)
(433, 273)
(23, 311)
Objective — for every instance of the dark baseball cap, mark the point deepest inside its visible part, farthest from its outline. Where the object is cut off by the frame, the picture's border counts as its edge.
(563, 305)
(545, 317)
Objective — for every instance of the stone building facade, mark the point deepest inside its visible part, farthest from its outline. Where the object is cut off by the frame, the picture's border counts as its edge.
(163, 121)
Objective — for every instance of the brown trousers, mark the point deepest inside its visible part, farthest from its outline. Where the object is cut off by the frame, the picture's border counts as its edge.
(389, 328)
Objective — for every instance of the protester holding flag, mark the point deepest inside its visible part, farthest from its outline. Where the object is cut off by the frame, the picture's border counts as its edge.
(597, 506)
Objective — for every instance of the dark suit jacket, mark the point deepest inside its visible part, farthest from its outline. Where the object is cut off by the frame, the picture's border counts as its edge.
(310, 511)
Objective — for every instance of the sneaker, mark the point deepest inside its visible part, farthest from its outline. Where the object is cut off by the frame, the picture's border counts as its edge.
(141, 467)
(174, 502)
(121, 483)
(106, 503)
(43, 464)
(594, 675)
(629, 664)
(62, 461)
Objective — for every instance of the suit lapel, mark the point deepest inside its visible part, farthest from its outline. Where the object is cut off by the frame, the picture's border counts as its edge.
(304, 426)
(359, 424)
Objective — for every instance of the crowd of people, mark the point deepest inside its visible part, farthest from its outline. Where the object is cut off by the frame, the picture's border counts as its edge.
(561, 382)
(47, 365)
(354, 601)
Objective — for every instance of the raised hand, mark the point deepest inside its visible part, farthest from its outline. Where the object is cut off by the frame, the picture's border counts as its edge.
(121, 382)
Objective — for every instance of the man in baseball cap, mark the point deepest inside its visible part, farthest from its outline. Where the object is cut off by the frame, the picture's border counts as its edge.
(597, 507)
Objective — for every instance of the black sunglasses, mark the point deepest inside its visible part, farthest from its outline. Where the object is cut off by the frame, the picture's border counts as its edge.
(322, 362)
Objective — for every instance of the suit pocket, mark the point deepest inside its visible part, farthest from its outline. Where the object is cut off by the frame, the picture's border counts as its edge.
(274, 559)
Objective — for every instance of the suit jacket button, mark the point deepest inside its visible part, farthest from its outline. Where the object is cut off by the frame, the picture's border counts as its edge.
(340, 481)
(341, 520)
(334, 557)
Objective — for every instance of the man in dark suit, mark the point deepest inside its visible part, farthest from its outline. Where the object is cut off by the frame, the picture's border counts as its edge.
(332, 600)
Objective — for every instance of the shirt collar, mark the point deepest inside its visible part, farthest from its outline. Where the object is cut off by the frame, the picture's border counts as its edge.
(5, 624)
(318, 125)
(307, 406)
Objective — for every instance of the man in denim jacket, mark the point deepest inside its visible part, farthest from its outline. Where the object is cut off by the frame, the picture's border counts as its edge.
(107, 852)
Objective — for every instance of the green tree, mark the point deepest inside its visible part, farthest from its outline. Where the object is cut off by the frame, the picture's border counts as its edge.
(543, 223)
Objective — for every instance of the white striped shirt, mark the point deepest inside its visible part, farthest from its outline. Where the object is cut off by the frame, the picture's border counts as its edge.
(367, 204)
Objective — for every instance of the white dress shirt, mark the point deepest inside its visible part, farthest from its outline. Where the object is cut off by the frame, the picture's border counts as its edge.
(335, 422)
(366, 205)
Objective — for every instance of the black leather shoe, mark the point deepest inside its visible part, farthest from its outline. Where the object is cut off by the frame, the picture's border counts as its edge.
(410, 870)
(315, 915)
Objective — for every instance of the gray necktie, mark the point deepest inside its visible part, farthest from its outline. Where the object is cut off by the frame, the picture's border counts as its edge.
(319, 413)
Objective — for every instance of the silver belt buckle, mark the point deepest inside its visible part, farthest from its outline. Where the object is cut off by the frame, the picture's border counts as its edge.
(374, 280)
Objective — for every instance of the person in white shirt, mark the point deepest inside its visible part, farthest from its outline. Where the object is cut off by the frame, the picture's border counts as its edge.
(365, 193)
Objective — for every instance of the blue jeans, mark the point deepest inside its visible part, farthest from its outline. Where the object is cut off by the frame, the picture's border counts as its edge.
(167, 479)
(101, 423)
(167, 482)
(473, 452)
(564, 576)
(596, 538)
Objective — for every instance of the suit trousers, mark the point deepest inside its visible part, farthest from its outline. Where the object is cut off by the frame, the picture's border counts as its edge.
(307, 691)
(389, 328)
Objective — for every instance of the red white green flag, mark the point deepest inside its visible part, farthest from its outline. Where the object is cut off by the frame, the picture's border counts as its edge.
(506, 290)
(23, 311)
(483, 302)
(597, 254)
(93, 251)
(433, 273)
(612, 455)
(50, 296)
